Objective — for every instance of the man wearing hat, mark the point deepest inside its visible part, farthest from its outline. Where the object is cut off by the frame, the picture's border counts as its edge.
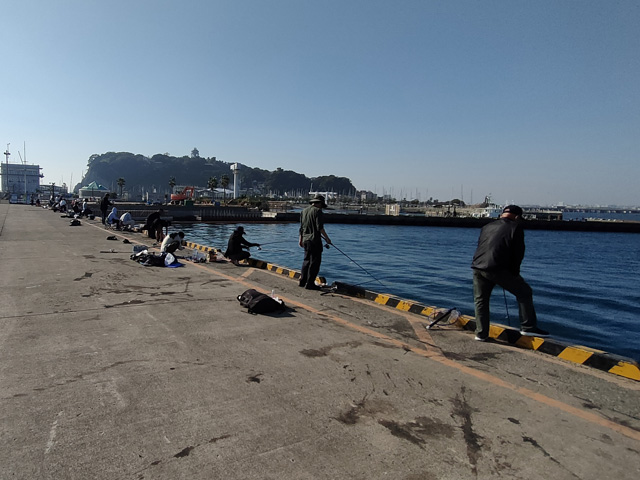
(311, 235)
(497, 262)
(235, 248)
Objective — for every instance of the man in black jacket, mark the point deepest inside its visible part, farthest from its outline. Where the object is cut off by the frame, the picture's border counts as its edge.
(236, 246)
(497, 262)
(105, 203)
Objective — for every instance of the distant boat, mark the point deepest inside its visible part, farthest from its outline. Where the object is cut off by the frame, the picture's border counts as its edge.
(490, 211)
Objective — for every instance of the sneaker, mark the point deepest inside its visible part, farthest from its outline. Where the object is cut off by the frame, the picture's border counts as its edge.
(534, 332)
(312, 287)
(481, 339)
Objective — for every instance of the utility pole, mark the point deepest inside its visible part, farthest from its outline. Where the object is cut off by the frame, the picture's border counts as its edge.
(6, 175)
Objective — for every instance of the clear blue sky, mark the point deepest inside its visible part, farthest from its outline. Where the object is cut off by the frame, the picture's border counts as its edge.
(531, 101)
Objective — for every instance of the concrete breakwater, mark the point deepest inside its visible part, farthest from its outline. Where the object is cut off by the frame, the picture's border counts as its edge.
(211, 213)
(115, 370)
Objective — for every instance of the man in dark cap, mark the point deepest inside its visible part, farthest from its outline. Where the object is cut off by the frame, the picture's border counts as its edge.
(497, 262)
(235, 248)
(105, 203)
(311, 235)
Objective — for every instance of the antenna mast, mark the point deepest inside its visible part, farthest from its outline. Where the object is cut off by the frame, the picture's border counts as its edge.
(6, 178)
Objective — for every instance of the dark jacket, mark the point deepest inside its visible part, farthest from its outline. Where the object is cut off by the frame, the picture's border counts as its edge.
(152, 218)
(500, 247)
(105, 203)
(236, 242)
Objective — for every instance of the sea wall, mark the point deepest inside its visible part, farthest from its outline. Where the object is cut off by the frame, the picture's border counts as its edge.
(211, 213)
(468, 222)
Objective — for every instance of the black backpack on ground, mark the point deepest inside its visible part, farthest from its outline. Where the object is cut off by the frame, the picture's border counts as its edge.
(149, 259)
(257, 302)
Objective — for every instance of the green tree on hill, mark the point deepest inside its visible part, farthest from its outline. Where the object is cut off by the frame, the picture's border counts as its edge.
(282, 181)
(224, 182)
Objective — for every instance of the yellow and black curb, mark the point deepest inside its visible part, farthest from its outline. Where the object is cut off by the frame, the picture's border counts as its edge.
(589, 357)
(252, 262)
(200, 248)
(280, 270)
(597, 359)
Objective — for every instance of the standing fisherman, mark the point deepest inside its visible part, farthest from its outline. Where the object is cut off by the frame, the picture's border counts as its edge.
(105, 203)
(497, 262)
(311, 235)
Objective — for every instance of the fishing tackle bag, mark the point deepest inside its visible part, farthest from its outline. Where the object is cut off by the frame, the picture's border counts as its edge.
(257, 302)
(149, 259)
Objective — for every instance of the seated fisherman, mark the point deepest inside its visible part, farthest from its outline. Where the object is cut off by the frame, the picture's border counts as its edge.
(113, 218)
(235, 248)
(126, 222)
(86, 211)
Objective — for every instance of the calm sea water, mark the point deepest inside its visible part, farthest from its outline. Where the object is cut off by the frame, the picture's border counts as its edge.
(586, 285)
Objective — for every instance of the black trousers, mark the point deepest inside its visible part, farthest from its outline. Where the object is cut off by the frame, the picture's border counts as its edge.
(239, 256)
(483, 283)
(172, 247)
(311, 263)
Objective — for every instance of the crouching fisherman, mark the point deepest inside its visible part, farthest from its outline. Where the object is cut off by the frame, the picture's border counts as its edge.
(126, 222)
(172, 242)
(235, 248)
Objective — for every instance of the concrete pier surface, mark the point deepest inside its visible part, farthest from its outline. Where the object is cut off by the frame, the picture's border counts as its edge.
(113, 370)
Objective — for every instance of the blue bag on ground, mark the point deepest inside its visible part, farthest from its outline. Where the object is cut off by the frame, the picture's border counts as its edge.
(257, 302)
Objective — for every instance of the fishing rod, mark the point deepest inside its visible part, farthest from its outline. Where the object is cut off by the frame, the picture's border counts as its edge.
(447, 317)
(363, 269)
(506, 306)
(279, 241)
(259, 247)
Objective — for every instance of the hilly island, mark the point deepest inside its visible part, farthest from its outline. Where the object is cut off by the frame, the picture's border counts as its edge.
(161, 172)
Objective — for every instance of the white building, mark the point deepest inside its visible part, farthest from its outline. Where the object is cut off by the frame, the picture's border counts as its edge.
(19, 178)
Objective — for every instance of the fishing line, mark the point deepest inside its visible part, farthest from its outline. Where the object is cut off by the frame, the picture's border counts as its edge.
(361, 284)
(506, 306)
(279, 241)
(363, 269)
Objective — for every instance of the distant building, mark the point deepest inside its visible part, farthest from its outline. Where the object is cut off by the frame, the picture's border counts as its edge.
(367, 196)
(392, 209)
(326, 195)
(93, 190)
(20, 179)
